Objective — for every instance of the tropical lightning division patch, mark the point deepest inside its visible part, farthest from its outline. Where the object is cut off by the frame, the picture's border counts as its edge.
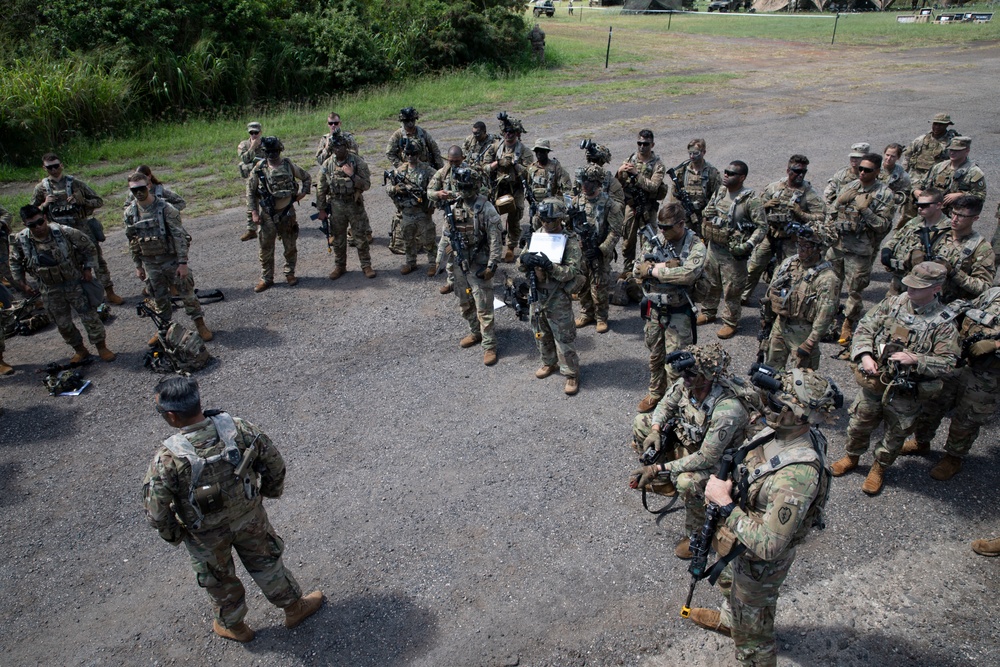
(784, 514)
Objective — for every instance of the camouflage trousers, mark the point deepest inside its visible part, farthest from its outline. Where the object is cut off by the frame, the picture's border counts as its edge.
(346, 213)
(761, 257)
(418, 233)
(665, 332)
(899, 417)
(271, 228)
(786, 337)
(161, 275)
(259, 549)
(726, 277)
(630, 237)
(554, 329)
(972, 397)
(251, 225)
(596, 290)
(750, 598)
(475, 298)
(5, 320)
(60, 302)
(102, 271)
(855, 271)
(512, 225)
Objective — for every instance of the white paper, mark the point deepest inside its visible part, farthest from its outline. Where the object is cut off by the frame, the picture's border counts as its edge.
(551, 245)
(498, 304)
(76, 392)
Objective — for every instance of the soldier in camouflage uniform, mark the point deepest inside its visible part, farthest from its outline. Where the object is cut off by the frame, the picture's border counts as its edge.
(159, 248)
(410, 197)
(478, 223)
(6, 277)
(441, 189)
(65, 200)
(325, 149)
(956, 176)
(703, 414)
(158, 189)
(860, 216)
(896, 179)
(903, 348)
(792, 200)
(600, 156)
(479, 147)
(537, 38)
(926, 151)
(846, 174)
(732, 227)
(342, 180)
(699, 179)
(428, 152)
(271, 198)
(192, 495)
(641, 176)
(667, 306)
(552, 315)
(604, 219)
(915, 238)
(61, 259)
(250, 152)
(803, 297)
(786, 481)
(508, 172)
(546, 177)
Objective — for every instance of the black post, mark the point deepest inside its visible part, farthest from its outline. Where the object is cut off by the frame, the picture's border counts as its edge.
(670, 17)
(607, 55)
(837, 18)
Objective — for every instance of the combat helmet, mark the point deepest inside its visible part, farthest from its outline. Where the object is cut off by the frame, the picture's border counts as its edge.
(272, 145)
(709, 361)
(465, 178)
(807, 395)
(552, 208)
(411, 147)
(409, 113)
(593, 173)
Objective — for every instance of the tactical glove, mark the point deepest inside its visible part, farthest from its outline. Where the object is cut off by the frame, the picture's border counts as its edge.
(798, 212)
(863, 201)
(543, 262)
(886, 257)
(487, 273)
(846, 197)
(773, 202)
(643, 477)
(741, 250)
(594, 254)
(983, 348)
(529, 260)
(654, 439)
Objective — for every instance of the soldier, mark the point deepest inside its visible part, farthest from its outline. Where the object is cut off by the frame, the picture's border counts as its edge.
(428, 152)
(410, 196)
(478, 225)
(915, 239)
(699, 179)
(926, 151)
(546, 177)
(792, 200)
(641, 176)
(7, 277)
(781, 494)
(271, 198)
(987, 547)
(342, 180)
(158, 189)
(846, 174)
(971, 394)
(732, 227)
(603, 230)
(159, 248)
(859, 216)
(552, 312)
(902, 349)
(324, 149)
(250, 152)
(704, 414)
(537, 39)
(66, 200)
(61, 259)
(667, 309)
(803, 298)
(896, 179)
(508, 171)
(205, 489)
(601, 155)
(479, 146)
(956, 176)
(441, 189)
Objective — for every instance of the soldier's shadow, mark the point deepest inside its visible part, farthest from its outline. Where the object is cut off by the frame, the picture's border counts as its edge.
(847, 647)
(363, 631)
(965, 493)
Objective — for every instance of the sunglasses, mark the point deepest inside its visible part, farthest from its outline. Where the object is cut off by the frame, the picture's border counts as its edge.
(53, 167)
(865, 170)
(31, 224)
(798, 171)
(139, 189)
(333, 122)
(732, 173)
(670, 226)
(643, 143)
(925, 204)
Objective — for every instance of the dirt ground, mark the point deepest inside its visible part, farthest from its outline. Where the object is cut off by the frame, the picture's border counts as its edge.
(461, 515)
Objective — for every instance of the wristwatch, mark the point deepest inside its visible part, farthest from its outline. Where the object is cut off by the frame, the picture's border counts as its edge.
(726, 510)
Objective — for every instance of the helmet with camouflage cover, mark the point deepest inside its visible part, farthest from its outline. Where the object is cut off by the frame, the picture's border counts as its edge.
(465, 178)
(411, 147)
(593, 173)
(810, 397)
(407, 114)
(599, 155)
(272, 145)
(708, 361)
(552, 208)
(815, 233)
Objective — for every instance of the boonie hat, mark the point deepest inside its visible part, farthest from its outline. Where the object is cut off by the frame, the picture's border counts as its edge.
(860, 149)
(942, 118)
(926, 274)
(960, 143)
(542, 145)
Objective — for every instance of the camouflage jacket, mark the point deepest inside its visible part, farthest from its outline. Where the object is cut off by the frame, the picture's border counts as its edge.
(324, 150)
(837, 183)
(429, 151)
(512, 167)
(669, 285)
(898, 181)
(479, 224)
(412, 193)
(279, 181)
(700, 185)
(166, 489)
(805, 295)
(968, 178)
(552, 180)
(772, 519)
(730, 220)
(931, 334)
(924, 152)
(443, 179)
(248, 157)
(607, 218)
(861, 216)
(5, 236)
(61, 211)
(480, 153)
(155, 232)
(982, 321)
(335, 184)
(778, 207)
(67, 252)
(707, 428)
(563, 274)
(649, 179)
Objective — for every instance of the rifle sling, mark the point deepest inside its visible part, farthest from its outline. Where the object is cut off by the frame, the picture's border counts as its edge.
(662, 510)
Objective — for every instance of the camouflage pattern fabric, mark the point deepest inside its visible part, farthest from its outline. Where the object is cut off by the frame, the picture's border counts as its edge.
(247, 157)
(967, 178)
(838, 182)
(508, 179)
(164, 193)
(416, 225)
(444, 180)
(595, 292)
(343, 194)
(907, 249)
(281, 221)
(729, 246)
(700, 185)
(924, 152)
(804, 299)
(649, 180)
(429, 151)
(273, 227)
(479, 153)
(552, 180)
(324, 150)
(479, 223)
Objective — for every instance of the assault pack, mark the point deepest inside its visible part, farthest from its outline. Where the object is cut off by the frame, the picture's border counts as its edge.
(177, 349)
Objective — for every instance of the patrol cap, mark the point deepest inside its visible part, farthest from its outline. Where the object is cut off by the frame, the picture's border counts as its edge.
(926, 274)
(960, 143)
(942, 118)
(542, 145)
(860, 149)
(253, 126)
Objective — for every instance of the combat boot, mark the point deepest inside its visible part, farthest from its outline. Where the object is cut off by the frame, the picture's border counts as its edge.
(648, 404)
(303, 608)
(368, 271)
(726, 332)
(337, 272)
(262, 285)
(683, 550)
(489, 357)
(470, 340)
(203, 331)
(846, 332)
(447, 288)
(875, 479)
(913, 447)
(111, 297)
(946, 468)
(545, 371)
(710, 619)
(104, 353)
(291, 280)
(844, 465)
(432, 270)
(704, 319)
(602, 326)
(407, 269)
(572, 386)
(987, 547)
(82, 354)
(240, 632)
(508, 256)
(249, 235)
(583, 321)
(4, 368)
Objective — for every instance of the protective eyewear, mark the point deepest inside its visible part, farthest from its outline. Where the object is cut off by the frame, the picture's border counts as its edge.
(866, 170)
(31, 224)
(53, 167)
(643, 143)
(798, 170)
(925, 204)
(254, 133)
(139, 189)
(732, 173)
(333, 122)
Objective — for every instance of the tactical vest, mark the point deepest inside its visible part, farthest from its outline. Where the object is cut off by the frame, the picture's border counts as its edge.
(215, 494)
(420, 139)
(696, 185)
(778, 217)
(792, 292)
(981, 324)
(664, 294)
(470, 224)
(929, 152)
(949, 179)
(646, 169)
(597, 215)
(693, 419)
(544, 180)
(416, 179)
(920, 328)
(280, 180)
(49, 269)
(342, 186)
(148, 226)
(960, 255)
(732, 226)
(61, 211)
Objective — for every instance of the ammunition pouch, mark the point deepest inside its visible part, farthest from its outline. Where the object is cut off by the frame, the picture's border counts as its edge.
(209, 498)
(872, 383)
(724, 540)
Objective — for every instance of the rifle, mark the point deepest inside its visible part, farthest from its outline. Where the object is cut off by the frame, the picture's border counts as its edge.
(587, 233)
(161, 324)
(662, 253)
(249, 457)
(411, 188)
(767, 318)
(529, 228)
(324, 225)
(683, 196)
(455, 238)
(209, 296)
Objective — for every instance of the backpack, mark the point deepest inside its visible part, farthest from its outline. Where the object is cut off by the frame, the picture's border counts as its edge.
(177, 350)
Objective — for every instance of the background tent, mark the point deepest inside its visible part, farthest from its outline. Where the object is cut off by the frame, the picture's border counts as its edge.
(639, 6)
(788, 5)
